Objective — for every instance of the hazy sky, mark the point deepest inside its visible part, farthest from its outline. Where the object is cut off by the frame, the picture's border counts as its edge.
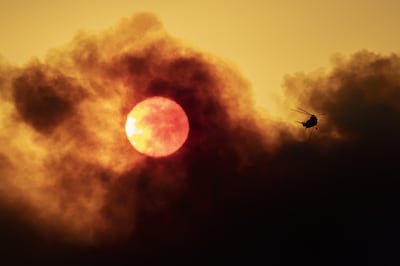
(264, 39)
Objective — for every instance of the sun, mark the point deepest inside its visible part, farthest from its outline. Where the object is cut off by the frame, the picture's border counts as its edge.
(157, 126)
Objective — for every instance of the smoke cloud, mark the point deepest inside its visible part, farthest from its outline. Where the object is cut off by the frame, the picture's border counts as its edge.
(242, 188)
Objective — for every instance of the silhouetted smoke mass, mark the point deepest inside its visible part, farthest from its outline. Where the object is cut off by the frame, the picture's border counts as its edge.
(242, 190)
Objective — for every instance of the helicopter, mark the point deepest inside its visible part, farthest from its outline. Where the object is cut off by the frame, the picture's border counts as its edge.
(311, 122)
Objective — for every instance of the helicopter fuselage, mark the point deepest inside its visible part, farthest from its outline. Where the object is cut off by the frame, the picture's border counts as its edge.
(311, 122)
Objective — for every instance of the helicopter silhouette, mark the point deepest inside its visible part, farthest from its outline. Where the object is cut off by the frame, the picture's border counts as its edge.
(311, 122)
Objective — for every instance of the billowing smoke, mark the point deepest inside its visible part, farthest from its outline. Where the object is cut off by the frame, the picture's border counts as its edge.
(242, 187)
(65, 157)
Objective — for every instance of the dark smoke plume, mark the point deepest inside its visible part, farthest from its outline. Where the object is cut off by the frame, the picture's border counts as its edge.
(243, 189)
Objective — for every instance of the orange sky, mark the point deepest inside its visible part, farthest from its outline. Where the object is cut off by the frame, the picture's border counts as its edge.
(264, 39)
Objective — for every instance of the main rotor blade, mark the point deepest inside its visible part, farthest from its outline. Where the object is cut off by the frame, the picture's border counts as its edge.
(304, 111)
(301, 111)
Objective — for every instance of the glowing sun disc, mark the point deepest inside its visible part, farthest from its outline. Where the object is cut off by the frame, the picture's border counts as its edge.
(157, 126)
